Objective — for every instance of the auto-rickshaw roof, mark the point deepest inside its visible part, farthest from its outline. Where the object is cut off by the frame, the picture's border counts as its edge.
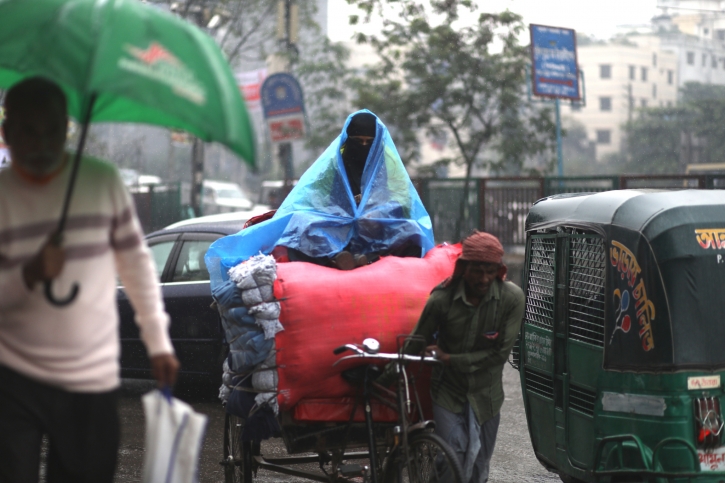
(649, 212)
(665, 252)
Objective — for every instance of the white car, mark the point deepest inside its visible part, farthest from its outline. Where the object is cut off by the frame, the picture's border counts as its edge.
(224, 197)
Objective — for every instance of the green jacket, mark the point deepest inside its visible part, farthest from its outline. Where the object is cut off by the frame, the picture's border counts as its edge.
(475, 372)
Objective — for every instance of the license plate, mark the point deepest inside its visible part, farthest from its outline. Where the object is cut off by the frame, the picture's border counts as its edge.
(712, 460)
(703, 382)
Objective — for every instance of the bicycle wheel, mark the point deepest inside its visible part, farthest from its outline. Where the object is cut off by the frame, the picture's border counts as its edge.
(431, 460)
(236, 454)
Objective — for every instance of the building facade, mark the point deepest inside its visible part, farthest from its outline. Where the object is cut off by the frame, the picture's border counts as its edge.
(621, 78)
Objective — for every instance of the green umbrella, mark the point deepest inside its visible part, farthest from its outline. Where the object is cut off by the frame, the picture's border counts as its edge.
(123, 61)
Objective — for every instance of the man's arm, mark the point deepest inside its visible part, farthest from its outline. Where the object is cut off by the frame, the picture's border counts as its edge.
(137, 271)
(496, 356)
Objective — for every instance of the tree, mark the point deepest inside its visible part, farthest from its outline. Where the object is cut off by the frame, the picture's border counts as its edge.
(666, 139)
(445, 66)
(323, 73)
(246, 30)
(578, 151)
(653, 141)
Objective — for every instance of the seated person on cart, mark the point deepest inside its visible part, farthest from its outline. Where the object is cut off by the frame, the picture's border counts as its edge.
(355, 203)
(470, 323)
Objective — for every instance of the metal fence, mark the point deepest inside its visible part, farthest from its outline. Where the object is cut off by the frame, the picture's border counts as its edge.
(159, 205)
(500, 205)
(496, 205)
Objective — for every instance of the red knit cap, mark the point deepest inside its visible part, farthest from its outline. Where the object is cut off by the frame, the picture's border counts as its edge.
(482, 247)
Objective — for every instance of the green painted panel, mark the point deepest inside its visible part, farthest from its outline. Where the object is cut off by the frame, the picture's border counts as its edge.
(581, 443)
(585, 364)
(542, 425)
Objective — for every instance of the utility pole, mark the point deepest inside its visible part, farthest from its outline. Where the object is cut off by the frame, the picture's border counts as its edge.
(207, 19)
(197, 175)
(287, 30)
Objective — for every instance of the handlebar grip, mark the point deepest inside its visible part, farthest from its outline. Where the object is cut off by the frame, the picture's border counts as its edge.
(339, 350)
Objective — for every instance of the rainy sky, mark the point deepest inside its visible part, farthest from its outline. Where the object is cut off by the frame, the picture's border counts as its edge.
(599, 18)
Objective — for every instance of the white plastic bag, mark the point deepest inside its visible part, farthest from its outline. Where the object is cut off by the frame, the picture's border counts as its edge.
(174, 433)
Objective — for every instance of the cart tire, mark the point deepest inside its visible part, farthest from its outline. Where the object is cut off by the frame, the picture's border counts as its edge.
(237, 455)
(431, 460)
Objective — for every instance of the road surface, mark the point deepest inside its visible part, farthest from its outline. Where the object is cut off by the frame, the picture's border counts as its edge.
(513, 460)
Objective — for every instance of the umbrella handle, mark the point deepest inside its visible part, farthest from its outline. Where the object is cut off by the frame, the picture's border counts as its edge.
(66, 202)
(60, 302)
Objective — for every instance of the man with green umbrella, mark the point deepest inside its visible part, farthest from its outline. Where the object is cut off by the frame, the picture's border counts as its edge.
(59, 370)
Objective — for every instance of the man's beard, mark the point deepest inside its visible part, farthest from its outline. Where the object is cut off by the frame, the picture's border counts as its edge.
(42, 163)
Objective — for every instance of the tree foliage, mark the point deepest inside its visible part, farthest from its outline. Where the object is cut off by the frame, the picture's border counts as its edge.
(323, 73)
(447, 66)
(247, 33)
(665, 139)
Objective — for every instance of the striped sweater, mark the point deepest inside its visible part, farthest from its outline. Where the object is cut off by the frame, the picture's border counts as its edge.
(75, 347)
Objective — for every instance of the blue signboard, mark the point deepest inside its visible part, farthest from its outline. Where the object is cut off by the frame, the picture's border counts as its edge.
(281, 96)
(555, 72)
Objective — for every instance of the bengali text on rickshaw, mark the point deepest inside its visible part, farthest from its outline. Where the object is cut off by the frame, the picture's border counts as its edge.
(629, 269)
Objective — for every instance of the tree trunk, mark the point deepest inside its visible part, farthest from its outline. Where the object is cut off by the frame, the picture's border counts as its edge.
(463, 212)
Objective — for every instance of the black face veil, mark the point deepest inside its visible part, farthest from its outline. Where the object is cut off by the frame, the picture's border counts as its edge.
(355, 153)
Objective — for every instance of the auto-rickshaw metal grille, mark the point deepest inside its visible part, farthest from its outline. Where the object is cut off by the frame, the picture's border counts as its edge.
(586, 289)
(540, 291)
(582, 399)
(541, 384)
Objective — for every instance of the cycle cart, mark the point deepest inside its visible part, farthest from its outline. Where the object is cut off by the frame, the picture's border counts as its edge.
(403, 450)
(330, 412)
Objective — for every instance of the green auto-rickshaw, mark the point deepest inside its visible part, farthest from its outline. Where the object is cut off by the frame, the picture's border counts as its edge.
(622, 349)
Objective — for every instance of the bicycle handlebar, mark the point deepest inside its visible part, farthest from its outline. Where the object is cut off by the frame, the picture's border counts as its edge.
(360, 353)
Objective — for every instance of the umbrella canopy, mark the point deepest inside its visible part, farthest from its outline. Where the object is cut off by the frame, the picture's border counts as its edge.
(138, 63)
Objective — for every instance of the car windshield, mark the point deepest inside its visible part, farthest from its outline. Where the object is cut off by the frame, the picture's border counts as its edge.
(230, 193)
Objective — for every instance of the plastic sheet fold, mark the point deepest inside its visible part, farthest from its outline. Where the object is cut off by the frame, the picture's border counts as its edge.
(320, 217)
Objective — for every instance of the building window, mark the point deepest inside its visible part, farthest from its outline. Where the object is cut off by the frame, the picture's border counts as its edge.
(713, 62)
(690, 58)
(643, 74)
(604, 136)
(654, 59)
(720, 34)
(605, 103)
(654, 91)
(670, 77)
(632, 72)
(643, 103)
(704, 60)
(605, 71)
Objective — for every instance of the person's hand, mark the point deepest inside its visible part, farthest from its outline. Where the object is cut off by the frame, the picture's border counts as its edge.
(164, 368)
(358, 199)
(435, 351)
(46, 265)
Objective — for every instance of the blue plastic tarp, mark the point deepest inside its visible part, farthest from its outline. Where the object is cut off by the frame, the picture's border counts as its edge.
(320, 218)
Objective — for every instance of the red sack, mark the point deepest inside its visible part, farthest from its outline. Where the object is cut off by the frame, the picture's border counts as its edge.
(323, 308)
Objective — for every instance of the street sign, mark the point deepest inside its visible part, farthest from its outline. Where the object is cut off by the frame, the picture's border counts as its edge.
(250, 84)
(555, 72)
(283, 107)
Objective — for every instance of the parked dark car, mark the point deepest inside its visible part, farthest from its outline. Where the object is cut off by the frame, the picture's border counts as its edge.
(195, 330)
